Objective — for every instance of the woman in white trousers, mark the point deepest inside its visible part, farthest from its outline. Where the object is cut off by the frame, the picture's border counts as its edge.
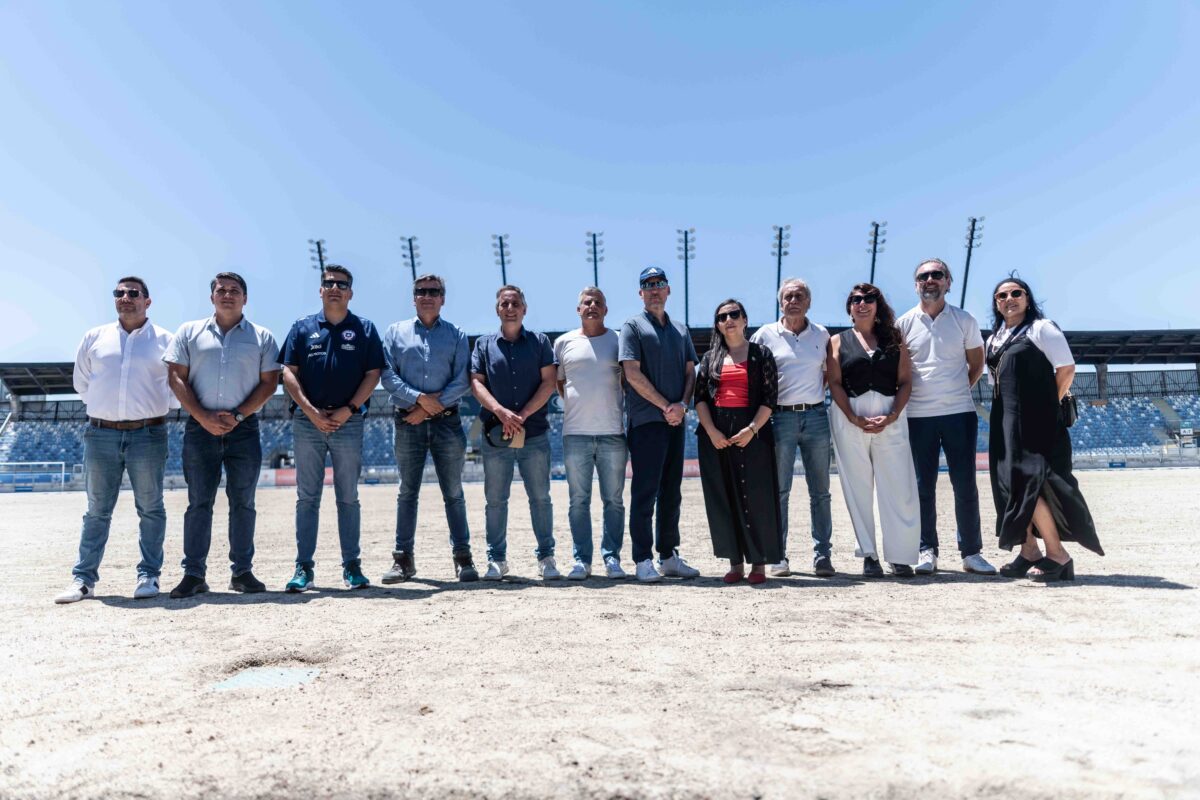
(870, 380)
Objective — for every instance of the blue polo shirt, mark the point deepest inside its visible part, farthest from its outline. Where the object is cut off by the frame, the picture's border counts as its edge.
(332, 358)
(512, 372)
(663, 352)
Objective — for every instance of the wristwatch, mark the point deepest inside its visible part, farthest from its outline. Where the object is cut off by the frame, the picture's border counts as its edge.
(353, 408)
(753, 427)
(239, 416)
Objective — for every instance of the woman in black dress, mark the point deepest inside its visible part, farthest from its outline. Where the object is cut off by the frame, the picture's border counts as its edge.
(736, 389)
(1029, 456)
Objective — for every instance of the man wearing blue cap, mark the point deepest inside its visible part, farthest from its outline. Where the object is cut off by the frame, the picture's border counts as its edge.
(659, 363)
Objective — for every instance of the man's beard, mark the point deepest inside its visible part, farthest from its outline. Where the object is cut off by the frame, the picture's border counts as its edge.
(931, 294)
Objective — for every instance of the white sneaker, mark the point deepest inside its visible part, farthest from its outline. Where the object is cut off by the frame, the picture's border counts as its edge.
(612, 568)
(548, 569)
(978, 564)
(780, 570)
(927, 563)
(676, 567)
(579, 572)
(78, 590)
(646, 573)
(147, 587)
(496, 570)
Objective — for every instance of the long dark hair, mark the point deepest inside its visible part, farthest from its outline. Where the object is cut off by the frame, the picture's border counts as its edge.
(885, 319)
(1034, 311)
(718, 339)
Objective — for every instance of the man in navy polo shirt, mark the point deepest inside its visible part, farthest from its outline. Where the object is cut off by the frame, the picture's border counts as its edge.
(331, 364)
(659, 361)
(512, 376)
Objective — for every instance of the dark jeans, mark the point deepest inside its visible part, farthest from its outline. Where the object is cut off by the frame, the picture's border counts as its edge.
(955, 434)
(444, 439)
(656, 456)
(240, 453)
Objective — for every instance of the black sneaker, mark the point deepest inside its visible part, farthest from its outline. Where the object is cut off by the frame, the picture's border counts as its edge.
(464, 567)
(246, 583)
(190, 586)
(901, 570)
(403, 568)
(871, 568)
(823, 567)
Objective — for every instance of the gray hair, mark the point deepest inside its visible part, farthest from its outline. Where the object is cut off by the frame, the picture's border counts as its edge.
(794, 282)
(593, 290)
(429, 276)
(508, 287)
(945, 267)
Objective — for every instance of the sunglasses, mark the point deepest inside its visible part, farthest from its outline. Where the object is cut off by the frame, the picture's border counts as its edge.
(1014, 294)
(428, 291)
(932, 275)
(343, 285)
(724, 315)
(133, 294)
(870, 299)
(654, 285)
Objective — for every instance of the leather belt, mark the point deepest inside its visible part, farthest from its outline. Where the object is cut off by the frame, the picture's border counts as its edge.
(401, 413)
(127, 424)
(800, 407)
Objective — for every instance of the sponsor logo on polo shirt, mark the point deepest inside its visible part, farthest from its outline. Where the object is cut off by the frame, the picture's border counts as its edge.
(348, 335)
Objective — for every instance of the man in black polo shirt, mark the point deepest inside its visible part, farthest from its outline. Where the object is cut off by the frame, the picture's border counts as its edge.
(331, 363)
(512, 376)
(659, 363)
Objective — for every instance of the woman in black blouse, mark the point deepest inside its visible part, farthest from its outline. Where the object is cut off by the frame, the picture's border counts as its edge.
(735, 391)
(870, 380)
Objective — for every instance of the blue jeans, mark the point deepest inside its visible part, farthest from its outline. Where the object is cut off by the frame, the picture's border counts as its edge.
(443, 437)
(344, 447)
(534, 461)
(607, 455)
(107, 454)
(808, 430)
(240, 453)
(955, 434)
(656, 489)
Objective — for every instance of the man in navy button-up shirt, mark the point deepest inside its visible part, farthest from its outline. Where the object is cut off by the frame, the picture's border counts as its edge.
(512, 376)
(331, 364)
(426, 375)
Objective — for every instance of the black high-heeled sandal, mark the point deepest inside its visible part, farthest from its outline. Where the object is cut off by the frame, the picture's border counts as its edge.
(1051, 570)
(1018, 567)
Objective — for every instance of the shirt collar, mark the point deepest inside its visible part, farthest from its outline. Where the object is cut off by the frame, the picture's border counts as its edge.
(436, 323)
(666, 318)
(242, 323)
(321, 319)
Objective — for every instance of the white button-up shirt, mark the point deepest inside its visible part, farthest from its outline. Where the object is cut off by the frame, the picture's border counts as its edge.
(800, 358)
(939, 348)
(121, 376)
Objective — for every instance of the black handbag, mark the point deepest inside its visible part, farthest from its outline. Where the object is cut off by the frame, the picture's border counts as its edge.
(1068, 410)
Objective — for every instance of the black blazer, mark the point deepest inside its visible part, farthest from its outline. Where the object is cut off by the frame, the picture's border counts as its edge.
(761, 372)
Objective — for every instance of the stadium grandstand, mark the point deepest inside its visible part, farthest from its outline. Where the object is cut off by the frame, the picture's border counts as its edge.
(1139, 417)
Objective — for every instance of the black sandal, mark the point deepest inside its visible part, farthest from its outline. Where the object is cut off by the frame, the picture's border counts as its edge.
(1018, 567)
(1051, 570)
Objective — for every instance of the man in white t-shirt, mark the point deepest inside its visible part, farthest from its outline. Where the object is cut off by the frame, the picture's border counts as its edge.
(947, 356)
(800, 420)
(589, 382)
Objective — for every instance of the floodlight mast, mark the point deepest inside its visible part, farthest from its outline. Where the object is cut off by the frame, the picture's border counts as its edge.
(595, 254)
(686, 252)
(780, 245)
(411, 253)
(878, 231)
(974, 234)
(503, 255)
(317, 248)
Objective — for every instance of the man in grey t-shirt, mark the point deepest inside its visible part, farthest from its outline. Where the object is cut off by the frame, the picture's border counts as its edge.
(589, 382)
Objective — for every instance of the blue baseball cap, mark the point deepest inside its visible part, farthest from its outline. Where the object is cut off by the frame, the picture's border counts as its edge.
(652, 274)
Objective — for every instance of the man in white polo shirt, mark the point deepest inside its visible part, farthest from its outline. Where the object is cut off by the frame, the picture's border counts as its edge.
(947, 355)
(800, 420)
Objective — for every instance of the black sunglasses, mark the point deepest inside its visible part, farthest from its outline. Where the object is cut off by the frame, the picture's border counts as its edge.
(724, 315)
(855, 299)
(428, 291)
(1014, 294)
(659, 284)
(932, 275)
(343, 285)
(132, 293)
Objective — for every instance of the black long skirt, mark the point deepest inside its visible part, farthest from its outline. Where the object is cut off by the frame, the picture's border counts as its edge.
(741, 491)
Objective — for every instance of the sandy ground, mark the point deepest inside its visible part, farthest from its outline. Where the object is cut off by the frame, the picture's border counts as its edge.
(950, 686)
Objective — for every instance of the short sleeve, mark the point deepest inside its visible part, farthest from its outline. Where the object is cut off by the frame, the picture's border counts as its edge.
(972, 339)
(547, 352)
(177, 351)
(375, 359)
(268, 360)
(559, 346)
(1050, 339)
(689, 349)
(629, 344)
(478, 357)
(289, 353)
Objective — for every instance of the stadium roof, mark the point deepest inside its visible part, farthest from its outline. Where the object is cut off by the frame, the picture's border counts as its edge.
(1089, 347)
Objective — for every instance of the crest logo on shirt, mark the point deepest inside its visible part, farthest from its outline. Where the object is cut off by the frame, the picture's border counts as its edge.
(348, 335)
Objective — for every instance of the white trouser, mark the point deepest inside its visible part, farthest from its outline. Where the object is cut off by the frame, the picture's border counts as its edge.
(884, 460)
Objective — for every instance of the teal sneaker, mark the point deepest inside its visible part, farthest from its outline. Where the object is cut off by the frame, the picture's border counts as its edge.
(353, 577)
(302, 581)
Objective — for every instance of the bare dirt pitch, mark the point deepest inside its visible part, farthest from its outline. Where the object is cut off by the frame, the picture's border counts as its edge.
(950, 686)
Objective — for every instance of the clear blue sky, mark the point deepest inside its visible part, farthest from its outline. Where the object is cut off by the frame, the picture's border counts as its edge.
(175, 139)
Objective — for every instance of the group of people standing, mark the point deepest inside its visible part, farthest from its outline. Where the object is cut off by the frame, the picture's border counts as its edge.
(900, 389)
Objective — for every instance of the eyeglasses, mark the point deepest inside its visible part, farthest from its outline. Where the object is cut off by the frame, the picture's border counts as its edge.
(654, 285)
(428, 291)
(1014, 294)
(133, 294)
(932, 275)
(724, 315)
(343, 285)
(870, 299)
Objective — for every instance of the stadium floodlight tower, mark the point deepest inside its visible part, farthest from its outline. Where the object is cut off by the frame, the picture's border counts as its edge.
(411, 253)
(686, 252)
(779, 249)
(878, 231)
(595, 251)
(974, 234)
(317, 248)
(503, 255)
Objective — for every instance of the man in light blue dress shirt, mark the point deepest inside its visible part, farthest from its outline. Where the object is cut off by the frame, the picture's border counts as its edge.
(426, 375)
(223, 369)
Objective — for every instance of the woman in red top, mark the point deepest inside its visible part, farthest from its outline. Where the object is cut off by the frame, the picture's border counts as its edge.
(736, 389)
